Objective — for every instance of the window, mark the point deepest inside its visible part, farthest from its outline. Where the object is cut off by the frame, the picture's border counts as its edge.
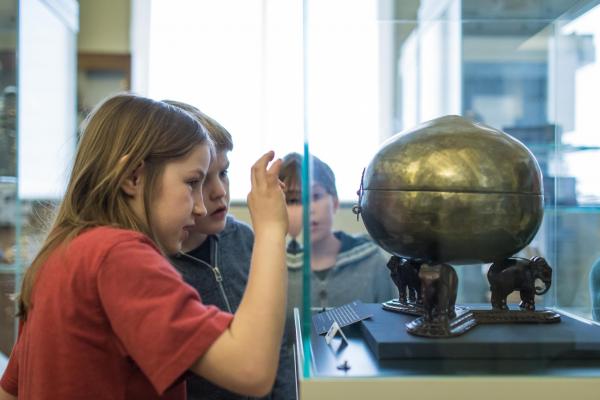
(46, 117)
(243, 63)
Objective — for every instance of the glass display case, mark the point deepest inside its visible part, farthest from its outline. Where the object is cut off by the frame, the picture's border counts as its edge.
(530, 69)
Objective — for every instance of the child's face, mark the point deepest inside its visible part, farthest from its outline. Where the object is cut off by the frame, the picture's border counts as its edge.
(216, 196)
(178, 200)
(293, 200)
(322, 210)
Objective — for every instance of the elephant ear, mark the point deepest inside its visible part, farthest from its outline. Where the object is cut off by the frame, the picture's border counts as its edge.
(541, 263)
(538, 260)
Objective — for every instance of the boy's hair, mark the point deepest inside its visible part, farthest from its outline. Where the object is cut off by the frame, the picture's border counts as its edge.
(118, 136)
(291, 173)
(219, 135)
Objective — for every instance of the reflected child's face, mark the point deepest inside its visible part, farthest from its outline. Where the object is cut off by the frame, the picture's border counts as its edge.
(323, 208)
(293, 200)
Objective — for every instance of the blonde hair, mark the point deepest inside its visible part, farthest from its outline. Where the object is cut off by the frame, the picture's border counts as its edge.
(119, 135)
(218, 134)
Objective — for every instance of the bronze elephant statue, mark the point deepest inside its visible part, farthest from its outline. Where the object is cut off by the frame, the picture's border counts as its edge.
(519, 274)
(405, 274)
(439, 285)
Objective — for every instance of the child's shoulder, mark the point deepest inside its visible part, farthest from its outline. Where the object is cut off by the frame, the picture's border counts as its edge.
(98, 247)
(353, 240)
(106, 237)
(356, 247)
(234, 226)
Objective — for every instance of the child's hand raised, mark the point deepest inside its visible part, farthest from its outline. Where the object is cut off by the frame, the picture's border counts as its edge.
(266, 199)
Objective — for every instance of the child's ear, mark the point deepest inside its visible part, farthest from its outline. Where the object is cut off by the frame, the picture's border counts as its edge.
(336, 203)
(132, 185)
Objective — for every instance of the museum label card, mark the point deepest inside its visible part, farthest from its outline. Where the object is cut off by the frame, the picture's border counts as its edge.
(345, 315)
(333, 330)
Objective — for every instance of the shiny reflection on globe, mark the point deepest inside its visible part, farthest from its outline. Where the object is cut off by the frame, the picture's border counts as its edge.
(452, 191)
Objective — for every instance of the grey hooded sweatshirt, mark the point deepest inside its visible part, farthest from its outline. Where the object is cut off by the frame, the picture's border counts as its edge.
(218, 269)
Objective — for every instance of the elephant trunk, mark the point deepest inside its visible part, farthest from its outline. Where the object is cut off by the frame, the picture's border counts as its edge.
(540, 291)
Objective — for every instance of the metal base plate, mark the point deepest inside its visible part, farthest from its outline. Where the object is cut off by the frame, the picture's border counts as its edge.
(462, 323)
(466, 319)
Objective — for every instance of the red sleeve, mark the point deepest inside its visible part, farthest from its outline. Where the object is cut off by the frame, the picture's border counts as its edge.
(158, 319)
(10, 378)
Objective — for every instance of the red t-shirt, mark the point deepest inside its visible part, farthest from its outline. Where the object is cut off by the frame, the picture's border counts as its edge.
(111, 319)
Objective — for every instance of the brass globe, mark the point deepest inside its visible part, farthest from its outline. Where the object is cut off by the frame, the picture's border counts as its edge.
(452, 191)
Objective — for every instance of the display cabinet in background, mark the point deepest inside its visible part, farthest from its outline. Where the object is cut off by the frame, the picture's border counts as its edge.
(37, 134)
(528, 68)
(9, 217)
(98, 76)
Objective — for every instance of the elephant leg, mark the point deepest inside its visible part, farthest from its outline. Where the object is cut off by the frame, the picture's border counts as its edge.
(402, 294)
(419, 297)
(446, 304)
(442, 301)
(453, 291)
(498, 301)
(411, 294)
(527, 299)
(429, 302)
(433, 312)
(451, 309)
(429, 309)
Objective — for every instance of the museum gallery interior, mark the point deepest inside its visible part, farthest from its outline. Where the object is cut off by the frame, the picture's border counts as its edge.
(461, 139)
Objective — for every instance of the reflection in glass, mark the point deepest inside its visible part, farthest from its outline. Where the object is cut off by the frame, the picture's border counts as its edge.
(8, 171)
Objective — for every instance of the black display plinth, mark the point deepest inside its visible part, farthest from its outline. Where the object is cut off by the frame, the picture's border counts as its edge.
(386, 335)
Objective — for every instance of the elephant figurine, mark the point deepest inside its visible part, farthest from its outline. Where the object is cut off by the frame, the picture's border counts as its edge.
(439, 284)
(405, 274)
(519, 274)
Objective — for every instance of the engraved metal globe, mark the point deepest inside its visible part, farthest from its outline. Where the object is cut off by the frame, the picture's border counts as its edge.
(452, 191)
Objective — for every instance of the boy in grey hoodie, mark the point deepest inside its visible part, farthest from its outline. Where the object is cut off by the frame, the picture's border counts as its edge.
(215, 258)
(344, 267)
